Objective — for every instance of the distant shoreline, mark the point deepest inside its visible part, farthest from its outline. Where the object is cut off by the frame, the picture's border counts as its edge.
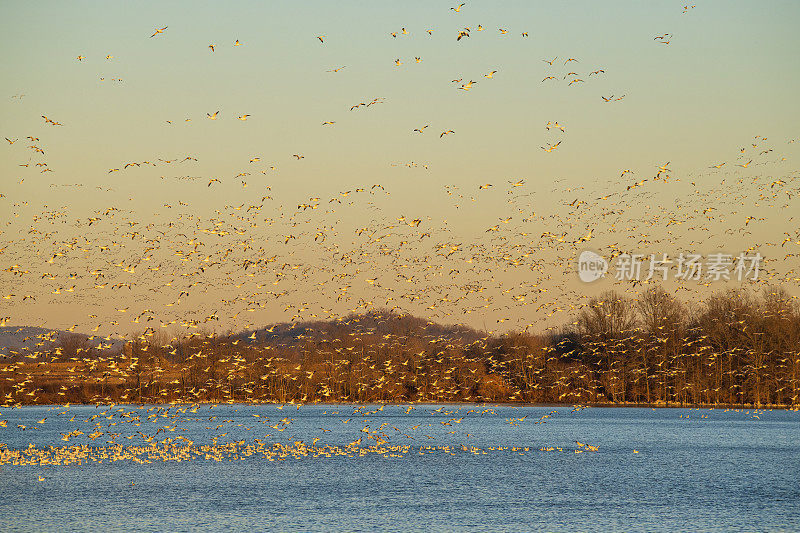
(405, 404)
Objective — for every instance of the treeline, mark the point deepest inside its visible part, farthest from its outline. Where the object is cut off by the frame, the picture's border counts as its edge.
(736, 348)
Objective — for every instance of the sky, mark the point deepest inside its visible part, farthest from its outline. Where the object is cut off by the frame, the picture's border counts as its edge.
(688, 87)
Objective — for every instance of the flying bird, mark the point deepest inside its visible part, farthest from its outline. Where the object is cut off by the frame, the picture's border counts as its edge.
(551, 147)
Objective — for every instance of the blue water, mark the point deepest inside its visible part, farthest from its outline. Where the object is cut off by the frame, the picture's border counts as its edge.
(716, 470)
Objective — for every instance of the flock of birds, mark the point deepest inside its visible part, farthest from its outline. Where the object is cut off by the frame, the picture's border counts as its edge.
(119, 271)
(230, 262)
(113, 433)
(125, 437)
(313, 261)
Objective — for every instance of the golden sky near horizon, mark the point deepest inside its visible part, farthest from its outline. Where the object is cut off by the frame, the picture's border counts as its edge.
(338, 159)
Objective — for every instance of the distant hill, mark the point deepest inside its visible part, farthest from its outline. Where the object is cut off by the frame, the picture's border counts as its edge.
(25, 340)
(377, 322)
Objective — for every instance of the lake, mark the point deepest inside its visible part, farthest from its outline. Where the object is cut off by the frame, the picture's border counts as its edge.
(430, 468)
